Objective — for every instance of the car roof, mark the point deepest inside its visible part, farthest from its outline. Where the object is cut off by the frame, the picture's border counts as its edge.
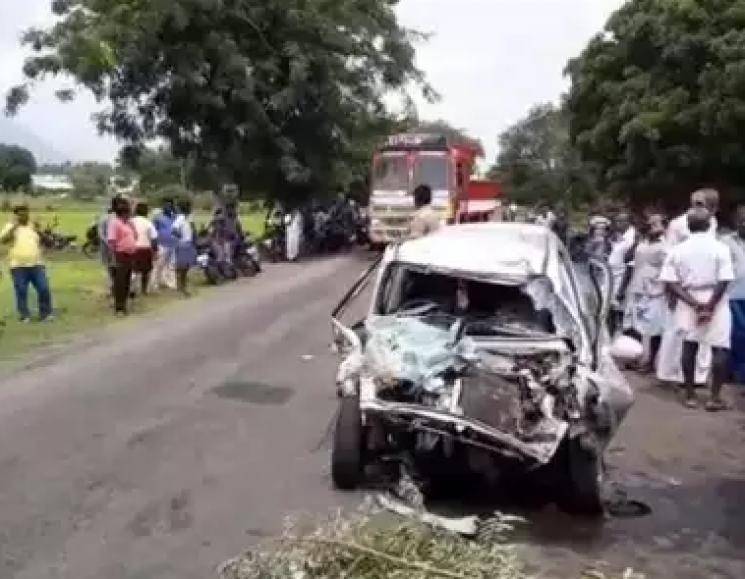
(494, 249)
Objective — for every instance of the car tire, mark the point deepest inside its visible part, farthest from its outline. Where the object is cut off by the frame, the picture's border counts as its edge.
(585, 477)
(346, 454)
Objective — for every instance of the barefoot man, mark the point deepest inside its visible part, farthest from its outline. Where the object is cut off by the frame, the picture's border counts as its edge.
(697, 272)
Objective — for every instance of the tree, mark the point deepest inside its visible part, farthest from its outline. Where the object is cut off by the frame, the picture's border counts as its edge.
(536, 161)
(91, 179)
(156, 168)
(442, 127)
(16, 167)
(657, 99)
(275, 94)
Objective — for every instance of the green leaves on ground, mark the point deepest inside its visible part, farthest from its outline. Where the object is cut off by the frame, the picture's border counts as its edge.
(276, 93)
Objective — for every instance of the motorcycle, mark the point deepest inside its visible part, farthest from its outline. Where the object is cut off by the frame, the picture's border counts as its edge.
(92, 243)
(215, 271)
(246, 258)
(50, 239)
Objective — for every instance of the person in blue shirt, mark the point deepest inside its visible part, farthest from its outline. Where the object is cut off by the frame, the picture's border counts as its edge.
(736, 244)
(164, 267)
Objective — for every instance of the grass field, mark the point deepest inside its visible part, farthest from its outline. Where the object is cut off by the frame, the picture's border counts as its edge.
(79, 284)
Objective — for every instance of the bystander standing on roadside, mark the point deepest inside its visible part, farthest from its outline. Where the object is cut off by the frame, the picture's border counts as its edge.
(643, 292)
(26, 265)
(736, 244)
(186, 253)
(146, 244)
(107, 257)
(668, 363)
(425, 219)
(164, 266)
(622, 240)
(123, 244)
(561, 225)
(598, 243)
(697, 272)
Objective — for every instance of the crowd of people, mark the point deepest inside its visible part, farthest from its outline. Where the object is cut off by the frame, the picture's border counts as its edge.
(679, 287)
(157, 252)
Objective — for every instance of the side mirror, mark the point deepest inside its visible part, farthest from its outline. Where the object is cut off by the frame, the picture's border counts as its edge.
(345, 340)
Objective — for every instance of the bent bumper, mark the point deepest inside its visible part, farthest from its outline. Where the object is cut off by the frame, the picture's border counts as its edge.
(466, 431)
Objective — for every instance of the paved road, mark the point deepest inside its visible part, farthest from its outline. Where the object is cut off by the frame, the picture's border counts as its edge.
(160, 453)
(159, 450)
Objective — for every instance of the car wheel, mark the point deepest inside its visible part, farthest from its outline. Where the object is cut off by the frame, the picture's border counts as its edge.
(346, 454)
(585, 477)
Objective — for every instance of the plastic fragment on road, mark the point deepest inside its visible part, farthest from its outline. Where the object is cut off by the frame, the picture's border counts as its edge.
(466, 526)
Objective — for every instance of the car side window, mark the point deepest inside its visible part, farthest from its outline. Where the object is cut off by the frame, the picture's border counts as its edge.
(389, 294)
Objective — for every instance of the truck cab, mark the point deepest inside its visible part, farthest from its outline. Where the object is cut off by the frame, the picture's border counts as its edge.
(406, 161)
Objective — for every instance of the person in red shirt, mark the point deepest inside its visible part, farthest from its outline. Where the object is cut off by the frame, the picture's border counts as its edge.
(122, 238)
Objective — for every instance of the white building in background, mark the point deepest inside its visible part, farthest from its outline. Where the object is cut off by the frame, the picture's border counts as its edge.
(52, 183)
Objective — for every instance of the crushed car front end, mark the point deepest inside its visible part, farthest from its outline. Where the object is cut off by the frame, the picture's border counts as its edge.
(491, 364)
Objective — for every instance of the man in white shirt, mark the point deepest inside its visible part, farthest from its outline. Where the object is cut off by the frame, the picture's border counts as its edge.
(668, 362)
(697, 272)
(678, 231)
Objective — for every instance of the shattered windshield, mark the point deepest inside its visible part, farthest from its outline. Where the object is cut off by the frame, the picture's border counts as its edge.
(487, 309)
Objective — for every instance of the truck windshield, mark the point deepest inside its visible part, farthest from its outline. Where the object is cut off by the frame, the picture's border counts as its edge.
(432, 171)
(391, 173)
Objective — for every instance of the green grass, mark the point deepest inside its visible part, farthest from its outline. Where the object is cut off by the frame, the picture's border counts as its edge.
(79, 285)
(80, 296)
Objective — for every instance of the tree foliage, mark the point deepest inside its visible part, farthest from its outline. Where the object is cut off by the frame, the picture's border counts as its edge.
(441, 127)
(536, 161)
(155, 168)
(657, 99)
(16, 167)
(275, 93)
(91, 179)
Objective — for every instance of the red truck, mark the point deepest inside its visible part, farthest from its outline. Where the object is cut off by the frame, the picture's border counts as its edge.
(407, 160)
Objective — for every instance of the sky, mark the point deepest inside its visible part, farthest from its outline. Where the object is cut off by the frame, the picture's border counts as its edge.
(490, 60)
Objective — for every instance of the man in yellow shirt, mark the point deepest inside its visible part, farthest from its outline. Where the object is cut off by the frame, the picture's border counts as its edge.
(26, 266)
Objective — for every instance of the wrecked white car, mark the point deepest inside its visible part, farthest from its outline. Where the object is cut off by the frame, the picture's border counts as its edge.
(483, 348)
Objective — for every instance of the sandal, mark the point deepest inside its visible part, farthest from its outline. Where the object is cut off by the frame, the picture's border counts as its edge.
(716, 405)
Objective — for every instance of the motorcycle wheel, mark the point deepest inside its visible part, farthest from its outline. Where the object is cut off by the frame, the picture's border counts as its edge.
(247, 268)
(212, 275)
(90, 249)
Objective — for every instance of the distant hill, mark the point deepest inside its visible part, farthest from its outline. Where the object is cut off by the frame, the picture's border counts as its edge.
(12, 133)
